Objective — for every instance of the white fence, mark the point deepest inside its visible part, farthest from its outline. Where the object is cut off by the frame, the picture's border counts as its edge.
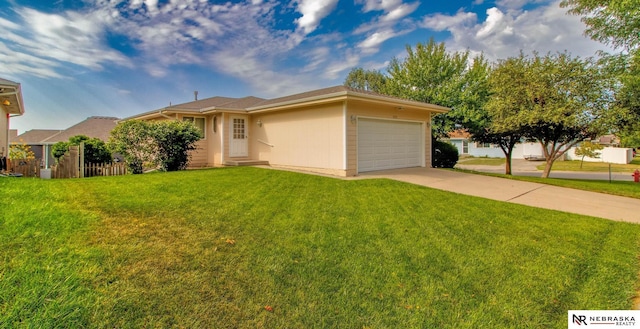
(608, 154)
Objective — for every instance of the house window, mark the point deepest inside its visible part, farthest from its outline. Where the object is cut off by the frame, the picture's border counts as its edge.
(483, 145)
(465, 147)
(199, 122)
(238, 129)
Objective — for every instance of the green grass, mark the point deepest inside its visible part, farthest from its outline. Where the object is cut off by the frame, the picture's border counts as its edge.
(593, 166)
(481, 161)
(212, 248)
(621, 188)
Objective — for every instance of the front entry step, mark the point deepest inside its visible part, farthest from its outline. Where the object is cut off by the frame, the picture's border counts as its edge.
(246, 163)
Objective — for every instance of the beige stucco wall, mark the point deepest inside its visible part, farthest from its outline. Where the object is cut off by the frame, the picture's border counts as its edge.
(381, 111)
(4, 133)
(309, 137)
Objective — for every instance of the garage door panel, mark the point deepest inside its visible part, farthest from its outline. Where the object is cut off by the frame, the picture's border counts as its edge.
(386, 144)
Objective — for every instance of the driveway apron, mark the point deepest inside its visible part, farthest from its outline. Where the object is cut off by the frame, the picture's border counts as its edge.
(525, 193)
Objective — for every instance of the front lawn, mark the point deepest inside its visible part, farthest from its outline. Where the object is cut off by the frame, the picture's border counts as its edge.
(482, 161)
(593, 166)
(259, 248)
(621, 188)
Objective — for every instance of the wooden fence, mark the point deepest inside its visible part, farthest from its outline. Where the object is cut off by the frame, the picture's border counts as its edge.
(71, 165)
(105, 169)
(68, 166)
(25, 167)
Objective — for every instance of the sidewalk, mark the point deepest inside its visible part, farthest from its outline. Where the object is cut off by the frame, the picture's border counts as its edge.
(525, 193)
(520, 167)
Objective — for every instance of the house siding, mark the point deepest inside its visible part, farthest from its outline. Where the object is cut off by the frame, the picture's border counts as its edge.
(309, 137)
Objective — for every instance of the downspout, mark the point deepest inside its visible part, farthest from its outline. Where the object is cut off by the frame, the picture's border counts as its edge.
(7, 139)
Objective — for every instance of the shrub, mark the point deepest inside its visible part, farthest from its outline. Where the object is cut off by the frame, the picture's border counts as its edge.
(174, 140)
(165, 144)
(95, 150)
(444, 155)
(134, 141)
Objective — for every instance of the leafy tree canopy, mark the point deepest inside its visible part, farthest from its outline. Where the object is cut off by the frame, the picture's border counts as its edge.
(613, 22)
(433, 75)
(369, 80)
(556, 100)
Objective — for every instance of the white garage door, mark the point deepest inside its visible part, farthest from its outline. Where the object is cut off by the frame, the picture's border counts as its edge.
(385, 144)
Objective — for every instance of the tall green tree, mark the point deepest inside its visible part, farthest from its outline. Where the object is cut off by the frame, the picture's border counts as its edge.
(431, 74)
(558, 100)
(613, 22)
(617, 23)
(507, 83)
(368, 80)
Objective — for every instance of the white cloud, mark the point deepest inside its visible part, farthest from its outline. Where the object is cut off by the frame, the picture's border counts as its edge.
(313, 11)
(340, 65)
(396, 13)
(372, 43)
(44, 42)
(440, 22)
(505, 32)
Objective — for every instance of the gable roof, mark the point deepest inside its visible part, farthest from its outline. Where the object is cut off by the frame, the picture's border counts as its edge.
(255, 104)
(93, 127)
(34, 136)
(341, 92)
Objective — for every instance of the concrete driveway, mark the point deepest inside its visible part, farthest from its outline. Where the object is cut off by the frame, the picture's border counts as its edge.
(525, 193)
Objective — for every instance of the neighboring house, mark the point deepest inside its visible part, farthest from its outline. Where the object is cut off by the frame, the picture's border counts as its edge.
(466, 146)
(533, 151)
(608, 140)
(338, 130)
(41, 140)
(11, 104)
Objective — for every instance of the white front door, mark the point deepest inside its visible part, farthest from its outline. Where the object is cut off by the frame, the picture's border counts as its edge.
(238, 137)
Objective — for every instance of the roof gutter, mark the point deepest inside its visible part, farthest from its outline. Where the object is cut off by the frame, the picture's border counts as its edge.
(338, 96)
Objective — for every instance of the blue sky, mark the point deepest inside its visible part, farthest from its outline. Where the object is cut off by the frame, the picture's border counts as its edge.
(77, 59)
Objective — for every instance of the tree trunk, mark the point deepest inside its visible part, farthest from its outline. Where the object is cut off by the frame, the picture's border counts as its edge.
(507, 164)
(547, 168)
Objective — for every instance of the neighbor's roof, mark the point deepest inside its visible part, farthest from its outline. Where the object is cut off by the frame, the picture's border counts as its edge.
(256, 104)
(34, 136)
(11, 97)
(456, 134)
(93, 127)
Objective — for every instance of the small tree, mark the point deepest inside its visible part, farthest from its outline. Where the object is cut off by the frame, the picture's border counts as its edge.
(134, 141)
(588, 149)
(174, 140)
(21, 151)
